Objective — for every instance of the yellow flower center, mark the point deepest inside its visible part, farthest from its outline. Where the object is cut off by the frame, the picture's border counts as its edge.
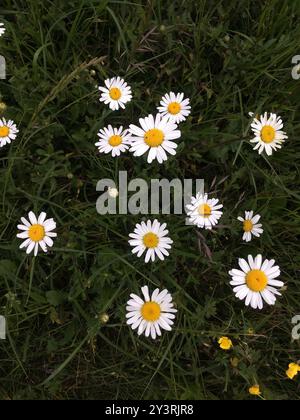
(204, 210)
(115, 93)
(256, 280)
(268, 134)
(36, 233)
(248, 226)
(4, 131)
(151, 240)
(255, 390)
(174, 108)
(151, 311)
(115, 141)
(154, 137)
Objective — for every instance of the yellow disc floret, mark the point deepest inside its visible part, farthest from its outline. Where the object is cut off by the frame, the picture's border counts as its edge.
(36, 233)
(115, 93)
(268, 134)
(174, 108)
(248, 226)
(151, 240)
(204, 210)
(4, 131)
(151, 311)
(154, 137)
(256, 280)
(115, 141)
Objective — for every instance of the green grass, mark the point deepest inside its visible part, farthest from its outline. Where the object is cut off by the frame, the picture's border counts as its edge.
(229, 58)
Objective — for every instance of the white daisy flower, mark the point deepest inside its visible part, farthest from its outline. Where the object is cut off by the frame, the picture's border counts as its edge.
(2, 29)
(113, 140)
(37, 232)
(116, 93)
(255, 282)
(150, 315)
(151, 237)
(250, 226)
(155, 136)
(268, 134)
(175, 107)
(204, 212)
(8, 131)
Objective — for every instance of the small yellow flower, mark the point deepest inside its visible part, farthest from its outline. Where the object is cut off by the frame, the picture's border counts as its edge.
(255, 390)
(293, 370)
(3, 107)
(104, 318)
(234, 362)
(225, 343)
